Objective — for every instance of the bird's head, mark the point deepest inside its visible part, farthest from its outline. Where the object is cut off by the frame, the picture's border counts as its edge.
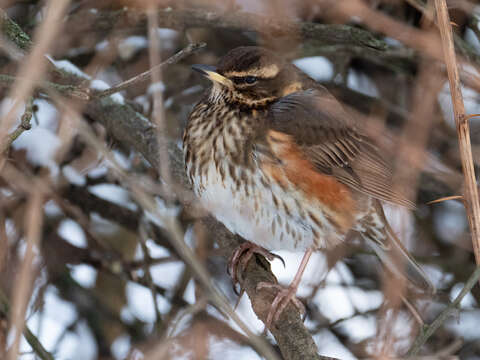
(250, 76)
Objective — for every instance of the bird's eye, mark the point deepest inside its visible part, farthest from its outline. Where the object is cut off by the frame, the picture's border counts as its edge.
(245, 80)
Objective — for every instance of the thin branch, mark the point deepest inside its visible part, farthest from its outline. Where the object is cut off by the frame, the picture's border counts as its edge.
(446, 198)
(182, 54)
(429, 330)
(472, 203)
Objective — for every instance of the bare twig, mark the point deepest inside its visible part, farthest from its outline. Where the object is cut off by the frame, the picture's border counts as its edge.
(446, 198)
(429, 330)
(463, 129)
(24, 124)
(182, 54)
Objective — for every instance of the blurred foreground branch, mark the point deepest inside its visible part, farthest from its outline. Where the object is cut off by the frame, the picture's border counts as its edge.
(32, 340)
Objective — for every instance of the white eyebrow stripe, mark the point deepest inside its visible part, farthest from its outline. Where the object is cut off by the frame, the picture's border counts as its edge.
(269, 71)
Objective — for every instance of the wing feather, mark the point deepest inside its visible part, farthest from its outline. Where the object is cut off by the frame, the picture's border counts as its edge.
(325, 133)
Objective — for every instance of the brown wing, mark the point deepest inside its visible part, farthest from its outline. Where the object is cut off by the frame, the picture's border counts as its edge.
(323, 130)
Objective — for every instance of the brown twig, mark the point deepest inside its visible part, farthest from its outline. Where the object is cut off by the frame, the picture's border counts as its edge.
(463, 129)
(182, 54)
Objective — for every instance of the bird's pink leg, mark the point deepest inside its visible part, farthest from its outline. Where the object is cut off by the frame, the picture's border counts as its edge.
(285, 295)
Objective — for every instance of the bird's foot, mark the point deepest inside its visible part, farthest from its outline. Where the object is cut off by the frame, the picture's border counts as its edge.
(282, 298)
(242, 255)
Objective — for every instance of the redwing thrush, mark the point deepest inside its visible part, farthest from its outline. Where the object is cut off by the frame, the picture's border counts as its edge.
(273, 156)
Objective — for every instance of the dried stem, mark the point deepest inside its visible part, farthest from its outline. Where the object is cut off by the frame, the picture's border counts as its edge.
(463, 129)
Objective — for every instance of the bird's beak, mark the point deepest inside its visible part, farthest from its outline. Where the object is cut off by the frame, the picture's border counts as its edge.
(210, 72)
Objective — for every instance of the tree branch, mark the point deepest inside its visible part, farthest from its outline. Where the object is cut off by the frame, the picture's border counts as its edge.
(243, 21)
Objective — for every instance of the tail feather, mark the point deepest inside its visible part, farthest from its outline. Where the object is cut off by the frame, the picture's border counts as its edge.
(396, 257)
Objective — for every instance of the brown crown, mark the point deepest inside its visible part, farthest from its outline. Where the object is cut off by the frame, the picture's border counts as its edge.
(250, 60)
(254, 76)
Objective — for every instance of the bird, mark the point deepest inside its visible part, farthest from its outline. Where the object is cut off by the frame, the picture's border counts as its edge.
(276, 158)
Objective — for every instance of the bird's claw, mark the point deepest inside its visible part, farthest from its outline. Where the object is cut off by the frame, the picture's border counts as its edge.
(242, 255)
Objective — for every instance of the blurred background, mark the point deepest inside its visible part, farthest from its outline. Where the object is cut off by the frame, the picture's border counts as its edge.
(87, 254)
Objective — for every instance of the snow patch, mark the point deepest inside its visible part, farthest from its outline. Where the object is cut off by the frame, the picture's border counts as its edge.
(317, 67)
